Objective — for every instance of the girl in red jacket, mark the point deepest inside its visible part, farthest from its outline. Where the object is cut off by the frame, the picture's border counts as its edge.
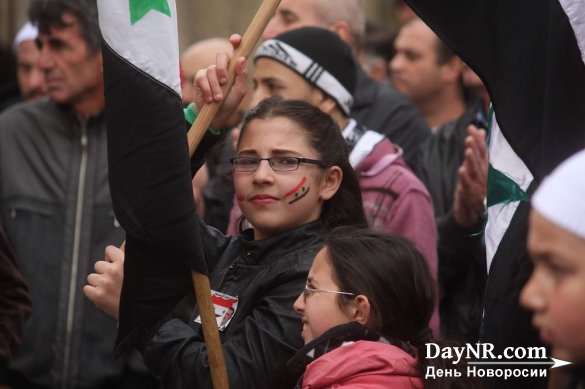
(365, 311)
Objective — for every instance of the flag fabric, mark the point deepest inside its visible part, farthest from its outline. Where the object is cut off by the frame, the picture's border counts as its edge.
(149, 166)
(530, 56)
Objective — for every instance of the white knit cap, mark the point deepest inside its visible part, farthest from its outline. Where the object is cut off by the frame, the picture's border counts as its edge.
(561, 196)
(28, 32)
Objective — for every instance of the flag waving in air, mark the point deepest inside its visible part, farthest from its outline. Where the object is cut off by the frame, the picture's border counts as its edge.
(529, 55)
(150, 173)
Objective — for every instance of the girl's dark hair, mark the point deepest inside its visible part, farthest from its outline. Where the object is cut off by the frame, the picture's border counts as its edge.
(345, 207)
(49, 13)
(395, 278)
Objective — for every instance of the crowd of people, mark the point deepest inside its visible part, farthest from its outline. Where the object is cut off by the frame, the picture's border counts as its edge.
(338, 206)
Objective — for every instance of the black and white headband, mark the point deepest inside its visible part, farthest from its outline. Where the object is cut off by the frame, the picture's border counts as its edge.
(307, 68)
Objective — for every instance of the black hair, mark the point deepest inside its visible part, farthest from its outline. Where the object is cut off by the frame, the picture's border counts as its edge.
(395, 278)
(444, 53)
(47, 14)
(324, 135)
(400, 308)
(378, 42)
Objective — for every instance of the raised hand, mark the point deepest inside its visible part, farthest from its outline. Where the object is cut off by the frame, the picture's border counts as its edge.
(208, 83)
(470, 192)
(105, 285)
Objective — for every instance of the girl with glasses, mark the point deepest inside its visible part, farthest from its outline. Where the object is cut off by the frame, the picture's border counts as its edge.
(365, 310)
(290, 169)
(293, 181)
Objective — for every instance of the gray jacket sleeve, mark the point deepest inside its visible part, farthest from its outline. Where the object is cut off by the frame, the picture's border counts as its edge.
(15, 304)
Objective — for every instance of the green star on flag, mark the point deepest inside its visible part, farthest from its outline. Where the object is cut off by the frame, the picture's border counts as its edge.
(139, 8)
(503, 189)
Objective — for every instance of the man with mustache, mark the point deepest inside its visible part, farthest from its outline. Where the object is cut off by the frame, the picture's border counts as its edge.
(55, 205)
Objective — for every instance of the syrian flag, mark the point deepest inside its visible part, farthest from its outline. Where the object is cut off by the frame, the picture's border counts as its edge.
(529, 54)
(149, 167)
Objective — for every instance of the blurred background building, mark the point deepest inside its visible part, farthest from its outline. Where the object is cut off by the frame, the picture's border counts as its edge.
(198, 19)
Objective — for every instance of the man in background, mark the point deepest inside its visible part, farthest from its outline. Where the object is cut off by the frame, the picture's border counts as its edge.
(375, 105)
(453, 166)
(31, 80)
(56, 210)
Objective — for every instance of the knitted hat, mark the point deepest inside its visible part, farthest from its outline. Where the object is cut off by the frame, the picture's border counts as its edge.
(28, 32)
(560, 197)
(319, 56)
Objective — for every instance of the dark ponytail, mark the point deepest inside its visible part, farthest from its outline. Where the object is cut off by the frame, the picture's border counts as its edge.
(345, 207)
(394, 275)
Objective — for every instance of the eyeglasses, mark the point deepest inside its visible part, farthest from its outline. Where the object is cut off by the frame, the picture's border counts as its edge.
(278, 164)
(308, 292)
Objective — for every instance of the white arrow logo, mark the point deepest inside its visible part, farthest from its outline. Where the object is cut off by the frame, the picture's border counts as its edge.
(559, 363)
(556, 363)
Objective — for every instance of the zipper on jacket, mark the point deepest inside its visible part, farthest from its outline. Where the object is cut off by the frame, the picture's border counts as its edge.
(75, 256)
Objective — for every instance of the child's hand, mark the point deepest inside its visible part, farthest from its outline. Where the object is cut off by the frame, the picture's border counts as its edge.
(105, 285)
(208, 84)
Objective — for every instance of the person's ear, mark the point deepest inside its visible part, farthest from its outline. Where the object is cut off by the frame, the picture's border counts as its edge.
(330, 182)
(362, 309)
(342, 29)
(327, 104)
(452, 70)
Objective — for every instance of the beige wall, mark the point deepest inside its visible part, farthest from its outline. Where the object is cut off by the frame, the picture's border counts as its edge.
(198, 19)
(12, 17)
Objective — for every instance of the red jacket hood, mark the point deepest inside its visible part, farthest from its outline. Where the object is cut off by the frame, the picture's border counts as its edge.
(364, 364)
(384, 154)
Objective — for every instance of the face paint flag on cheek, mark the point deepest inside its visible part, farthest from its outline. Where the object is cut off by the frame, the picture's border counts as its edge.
(298, 192)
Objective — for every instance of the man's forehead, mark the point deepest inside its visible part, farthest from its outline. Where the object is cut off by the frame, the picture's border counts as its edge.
(417, 28)
(270, 69)
(417, 36)
(302, 9)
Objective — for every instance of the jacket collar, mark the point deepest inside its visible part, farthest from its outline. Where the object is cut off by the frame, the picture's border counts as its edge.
(330, 340)
(336, 337)
(305, 237)
(74, 118)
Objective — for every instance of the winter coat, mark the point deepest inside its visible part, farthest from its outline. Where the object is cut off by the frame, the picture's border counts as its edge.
(462, 274)
(14, 302)
(366, 365)
(260, 279)
(391, 113)
(351, 356)
(57, 214)
(394, 199)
